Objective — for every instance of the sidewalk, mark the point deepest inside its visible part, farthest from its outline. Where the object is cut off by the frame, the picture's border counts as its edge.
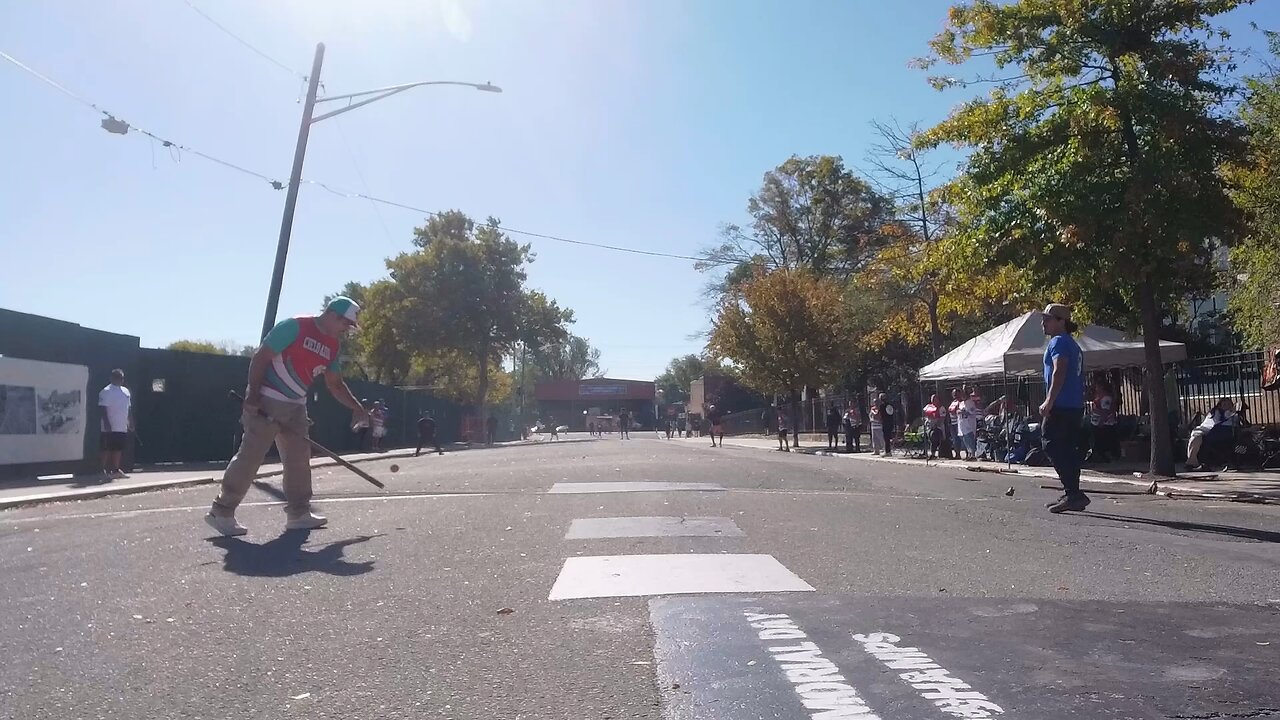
(87, 487)
(1259, 487)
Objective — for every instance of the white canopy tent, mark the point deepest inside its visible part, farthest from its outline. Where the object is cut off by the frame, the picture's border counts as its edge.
(1017, 348)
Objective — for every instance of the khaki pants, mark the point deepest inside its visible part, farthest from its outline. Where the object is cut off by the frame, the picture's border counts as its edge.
(290, 437)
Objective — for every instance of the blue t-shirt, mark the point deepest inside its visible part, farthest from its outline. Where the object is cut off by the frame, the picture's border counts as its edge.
(1072, 394)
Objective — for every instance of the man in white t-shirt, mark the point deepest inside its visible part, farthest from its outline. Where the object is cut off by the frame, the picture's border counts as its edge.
(115, 405)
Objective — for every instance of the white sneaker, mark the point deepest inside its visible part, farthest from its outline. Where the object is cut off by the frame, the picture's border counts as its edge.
(309, 521)
(226, 525)
(119, 475)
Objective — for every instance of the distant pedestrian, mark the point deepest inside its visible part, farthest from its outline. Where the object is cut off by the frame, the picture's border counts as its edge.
(1063, 408)
(967, 425)
(555, 429)
(715, 416)
(934, 418)
(624, 424)
(888, 420)
(378, 424)
(877, 425)
(782, 421)
(427, 434)
(361, 428)
(766, 421)
(852, 429)
(115, 404)
(491, 430)
(833, 427)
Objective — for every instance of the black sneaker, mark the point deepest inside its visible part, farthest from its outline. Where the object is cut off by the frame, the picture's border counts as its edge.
(1073, 503)
(1061, 499)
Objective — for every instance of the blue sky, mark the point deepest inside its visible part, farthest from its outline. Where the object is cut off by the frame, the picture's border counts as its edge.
(642, 123)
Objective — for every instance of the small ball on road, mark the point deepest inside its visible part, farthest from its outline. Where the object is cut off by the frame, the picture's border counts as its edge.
(395, 468)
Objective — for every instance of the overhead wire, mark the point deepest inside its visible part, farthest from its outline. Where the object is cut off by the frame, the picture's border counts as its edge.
(244, 42)
(124, 126)
(505, 228)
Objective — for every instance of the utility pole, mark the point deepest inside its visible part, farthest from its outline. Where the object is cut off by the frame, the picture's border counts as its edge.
(291, 200)
(300, 152)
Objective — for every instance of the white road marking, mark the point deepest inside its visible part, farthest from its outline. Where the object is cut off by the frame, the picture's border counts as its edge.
(637, 575)
(935, 683)
(819, 682)
(570, 488)
(319, 501)
(629, 527)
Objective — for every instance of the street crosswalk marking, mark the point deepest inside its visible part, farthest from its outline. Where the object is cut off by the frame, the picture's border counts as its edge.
(625, 527)
(570, 488)
(641, 575)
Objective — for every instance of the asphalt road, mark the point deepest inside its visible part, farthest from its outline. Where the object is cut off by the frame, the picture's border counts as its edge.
(431, 600)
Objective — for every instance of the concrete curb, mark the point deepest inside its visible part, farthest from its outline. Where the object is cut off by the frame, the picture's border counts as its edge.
(1171, 491)
(101, 491)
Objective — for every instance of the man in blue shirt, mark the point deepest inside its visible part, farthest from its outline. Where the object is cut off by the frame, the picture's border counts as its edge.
(1063, 408)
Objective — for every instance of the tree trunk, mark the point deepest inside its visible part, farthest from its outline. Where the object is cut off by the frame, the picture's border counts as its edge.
(935, 326)
(795, 417)
(482, 385)
(1161, 446)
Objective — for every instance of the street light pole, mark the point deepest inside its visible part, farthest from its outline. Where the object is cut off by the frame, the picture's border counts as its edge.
(291, 200)
(299, 153)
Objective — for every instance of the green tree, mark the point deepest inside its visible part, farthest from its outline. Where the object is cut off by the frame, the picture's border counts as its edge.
(572, 359)
(462, 291)
(674, 382)
(1095, 159)
(783, 331)
(212, 348)
(810, 212)
(1254, 284)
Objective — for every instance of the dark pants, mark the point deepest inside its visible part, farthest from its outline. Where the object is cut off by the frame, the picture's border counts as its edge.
(833, 438)
(424, 440)
(1106, 442)
(888, 440)
(852, 440)
(1058, 434)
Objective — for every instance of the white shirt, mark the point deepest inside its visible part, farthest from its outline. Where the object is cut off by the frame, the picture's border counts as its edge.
(117, 400)
(968, 418)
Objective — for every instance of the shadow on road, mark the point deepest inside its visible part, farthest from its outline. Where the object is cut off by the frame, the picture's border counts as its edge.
(1228, 530)
(270, 489)
(285, 556)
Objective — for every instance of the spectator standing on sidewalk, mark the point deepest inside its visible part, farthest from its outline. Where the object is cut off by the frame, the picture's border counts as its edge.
(877, 425)
(935, 416)
(491, 430)
(783, 423)
(378, 424)
(852, 428)
(1104, 421)
(1063, 408)
(889, 423)
(833, 427)
(115, 404)
(967, 425)
(427, 434)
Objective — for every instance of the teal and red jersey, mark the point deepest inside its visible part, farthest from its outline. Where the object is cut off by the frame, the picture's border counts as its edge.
(302, 353)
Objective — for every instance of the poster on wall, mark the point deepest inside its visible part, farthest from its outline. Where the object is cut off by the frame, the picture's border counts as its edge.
(42, 411)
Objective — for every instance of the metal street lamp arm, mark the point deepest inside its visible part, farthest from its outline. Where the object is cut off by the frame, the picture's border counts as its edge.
(386, 92)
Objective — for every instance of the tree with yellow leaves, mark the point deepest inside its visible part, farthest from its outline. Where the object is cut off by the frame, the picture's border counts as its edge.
(784, 331)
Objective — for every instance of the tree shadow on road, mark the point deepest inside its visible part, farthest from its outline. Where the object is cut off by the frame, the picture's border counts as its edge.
(1228, 530)
(285, 556)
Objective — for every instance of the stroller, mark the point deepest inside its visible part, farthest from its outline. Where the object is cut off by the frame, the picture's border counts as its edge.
(1024, 438)
(993, 439)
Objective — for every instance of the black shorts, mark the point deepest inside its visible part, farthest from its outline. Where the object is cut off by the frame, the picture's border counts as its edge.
(113, 441)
